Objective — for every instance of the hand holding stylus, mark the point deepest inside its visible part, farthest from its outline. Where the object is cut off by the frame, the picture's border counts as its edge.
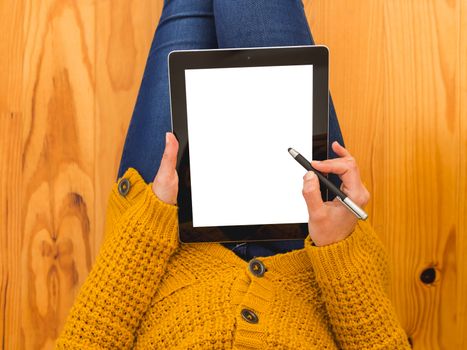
(331, 222)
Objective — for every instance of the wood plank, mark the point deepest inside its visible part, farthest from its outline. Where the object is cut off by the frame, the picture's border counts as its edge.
(58, 164)
(421, 159)
(461, 239)
(11, 73)
(124, 34)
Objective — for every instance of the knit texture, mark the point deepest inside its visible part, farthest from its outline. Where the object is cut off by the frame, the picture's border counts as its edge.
(147, 291)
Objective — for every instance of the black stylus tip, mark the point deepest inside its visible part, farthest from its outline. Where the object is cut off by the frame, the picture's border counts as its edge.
(289, 149)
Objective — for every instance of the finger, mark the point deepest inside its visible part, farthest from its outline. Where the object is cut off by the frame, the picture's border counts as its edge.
(340, 150)
(169, 158)
(346, 168)
(311, 192)
(339, 166)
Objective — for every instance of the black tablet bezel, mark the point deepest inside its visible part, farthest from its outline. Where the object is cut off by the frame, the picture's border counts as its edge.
(178, 62)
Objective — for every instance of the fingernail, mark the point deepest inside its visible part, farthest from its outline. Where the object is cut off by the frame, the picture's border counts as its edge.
(166, 138)
(315, 162)
(309, 175)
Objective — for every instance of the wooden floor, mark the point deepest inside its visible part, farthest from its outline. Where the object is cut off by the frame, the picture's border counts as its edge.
(70, 71)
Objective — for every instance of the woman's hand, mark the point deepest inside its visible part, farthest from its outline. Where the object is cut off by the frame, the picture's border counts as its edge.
(165, 184)
(331, 222)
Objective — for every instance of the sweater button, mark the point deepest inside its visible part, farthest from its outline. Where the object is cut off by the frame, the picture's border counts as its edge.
(257, 268)
(124, 187)
(249, 316)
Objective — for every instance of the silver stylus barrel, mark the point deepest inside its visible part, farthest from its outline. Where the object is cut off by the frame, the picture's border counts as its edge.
(354, 208)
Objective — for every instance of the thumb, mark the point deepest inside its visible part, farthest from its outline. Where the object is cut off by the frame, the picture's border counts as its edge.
(169, 158)
(165, 184)
(311, 192)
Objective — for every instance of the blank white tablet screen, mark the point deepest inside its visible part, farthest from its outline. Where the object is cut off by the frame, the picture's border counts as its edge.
(241, 122)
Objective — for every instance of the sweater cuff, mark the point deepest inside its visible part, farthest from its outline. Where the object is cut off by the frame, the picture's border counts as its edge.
(344, 259)
(141, 207)
(137, 184)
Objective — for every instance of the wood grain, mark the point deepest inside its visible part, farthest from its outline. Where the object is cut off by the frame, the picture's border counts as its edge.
(11, 121)
(58, 162)
(70, 73)
(461, 215)
(419, 203)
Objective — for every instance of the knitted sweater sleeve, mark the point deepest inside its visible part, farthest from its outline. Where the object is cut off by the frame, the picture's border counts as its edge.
(140, 236)
(353, 277)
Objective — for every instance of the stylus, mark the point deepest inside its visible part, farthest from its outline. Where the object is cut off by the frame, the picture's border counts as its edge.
(341, 196)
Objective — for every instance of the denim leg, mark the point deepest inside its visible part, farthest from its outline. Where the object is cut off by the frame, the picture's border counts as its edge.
(182, 25)
(259, 23)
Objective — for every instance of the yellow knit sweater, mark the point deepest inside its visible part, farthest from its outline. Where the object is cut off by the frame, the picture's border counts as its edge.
(146, 291)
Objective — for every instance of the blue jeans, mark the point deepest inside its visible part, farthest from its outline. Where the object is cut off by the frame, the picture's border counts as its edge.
(207, 24)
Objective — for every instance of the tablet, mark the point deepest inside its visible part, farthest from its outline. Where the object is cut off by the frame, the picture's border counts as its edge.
(235, 113)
